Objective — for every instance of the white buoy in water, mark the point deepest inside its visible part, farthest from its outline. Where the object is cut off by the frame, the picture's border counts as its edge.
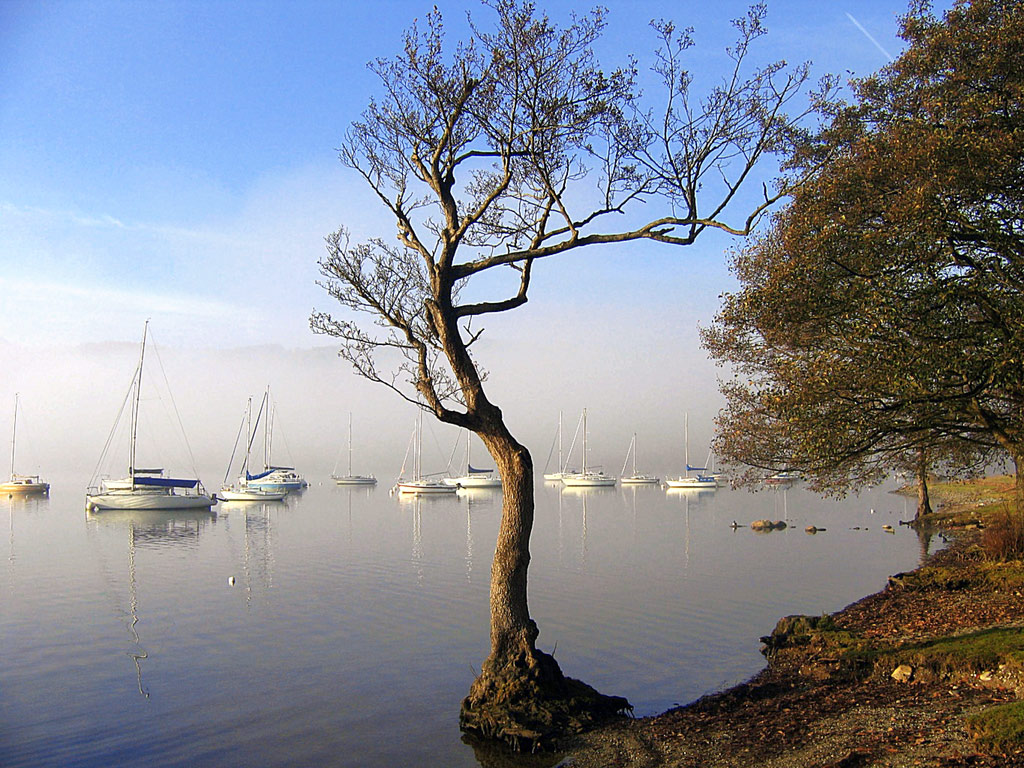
(231, 581)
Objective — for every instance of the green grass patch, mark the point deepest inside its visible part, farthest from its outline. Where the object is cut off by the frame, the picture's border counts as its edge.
(947, 658)
(960, 656)
(964, 503)
(1005, 576)
(945, 578)
(962, 515)
(980, 489)
(992, 575)
(998, 729)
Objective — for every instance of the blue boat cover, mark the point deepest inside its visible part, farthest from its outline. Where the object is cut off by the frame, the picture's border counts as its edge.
(474, 471)
(249, 476)
(166, 482)
(696, 469)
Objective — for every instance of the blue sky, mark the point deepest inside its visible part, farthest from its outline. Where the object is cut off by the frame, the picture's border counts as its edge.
(176, 161)
(177, 158)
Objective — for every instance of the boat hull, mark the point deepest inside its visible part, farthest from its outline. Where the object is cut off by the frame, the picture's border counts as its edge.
(640, 480)
(278, 480)
(289, 485)
(693, 483)
(25, 487)
(425, 488)
(355, 480)
(146, 500)
(250, 495)
(473, 482)
(588, 481)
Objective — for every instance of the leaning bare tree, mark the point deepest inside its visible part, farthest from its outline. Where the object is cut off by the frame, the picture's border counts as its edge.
(515, 146)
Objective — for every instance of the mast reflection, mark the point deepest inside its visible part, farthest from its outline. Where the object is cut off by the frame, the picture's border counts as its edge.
(147, 529)
(258, 558)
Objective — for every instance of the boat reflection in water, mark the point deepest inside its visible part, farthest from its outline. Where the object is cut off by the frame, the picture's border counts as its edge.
(258, 542)
(154, 527)
(147, 529)
(22, 505)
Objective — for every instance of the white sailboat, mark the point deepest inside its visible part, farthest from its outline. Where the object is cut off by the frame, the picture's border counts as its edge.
(474, 478)
(635, 478)
(699, 481)
(242, 491)
(562, 472)
(418, 484)
(274, 478)
(351, 479)
(785, 477)
(144, 488)
(587, 478)
(21, 484)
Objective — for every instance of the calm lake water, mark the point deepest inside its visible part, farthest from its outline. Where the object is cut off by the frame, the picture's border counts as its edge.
(356, 618)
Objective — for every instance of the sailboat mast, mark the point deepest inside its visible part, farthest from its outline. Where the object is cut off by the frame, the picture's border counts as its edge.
(686, 442)
(350, 443)
(267, 430)
(625, 462)
(248, 436)
(135, 406)
(584, 441)
(419, 446)
(561, 465)
(14, 433)
(634, 454)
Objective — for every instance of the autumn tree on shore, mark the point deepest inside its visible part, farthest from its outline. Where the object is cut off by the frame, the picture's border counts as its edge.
(513, 146)
(882, 315)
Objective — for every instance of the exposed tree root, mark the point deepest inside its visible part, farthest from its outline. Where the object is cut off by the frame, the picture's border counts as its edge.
(528, 703)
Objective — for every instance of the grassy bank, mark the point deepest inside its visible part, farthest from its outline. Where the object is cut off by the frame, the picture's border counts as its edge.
(961, 503)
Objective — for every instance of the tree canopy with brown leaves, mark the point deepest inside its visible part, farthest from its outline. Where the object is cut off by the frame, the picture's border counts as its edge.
(512, 146)
(882, 314)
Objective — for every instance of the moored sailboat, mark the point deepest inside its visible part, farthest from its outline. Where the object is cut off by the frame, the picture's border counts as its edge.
(351, 479)
(698, 481)
(420, 485)
(242, 491)
(19, 483)
(785, 477)
(635, 478)
(562, 470)
(143, 488)
(587, 478)
(474, 477)
(273, 478)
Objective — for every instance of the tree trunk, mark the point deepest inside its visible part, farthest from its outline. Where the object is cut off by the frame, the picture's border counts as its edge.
(521, 696)
(924, 506)
(1018, 465)
(512, 629)
(1010, 443)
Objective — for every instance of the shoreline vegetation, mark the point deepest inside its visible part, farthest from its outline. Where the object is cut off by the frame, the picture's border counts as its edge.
(926, 672)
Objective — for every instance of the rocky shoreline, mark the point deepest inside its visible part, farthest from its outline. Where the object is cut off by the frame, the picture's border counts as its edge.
(891, 680)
